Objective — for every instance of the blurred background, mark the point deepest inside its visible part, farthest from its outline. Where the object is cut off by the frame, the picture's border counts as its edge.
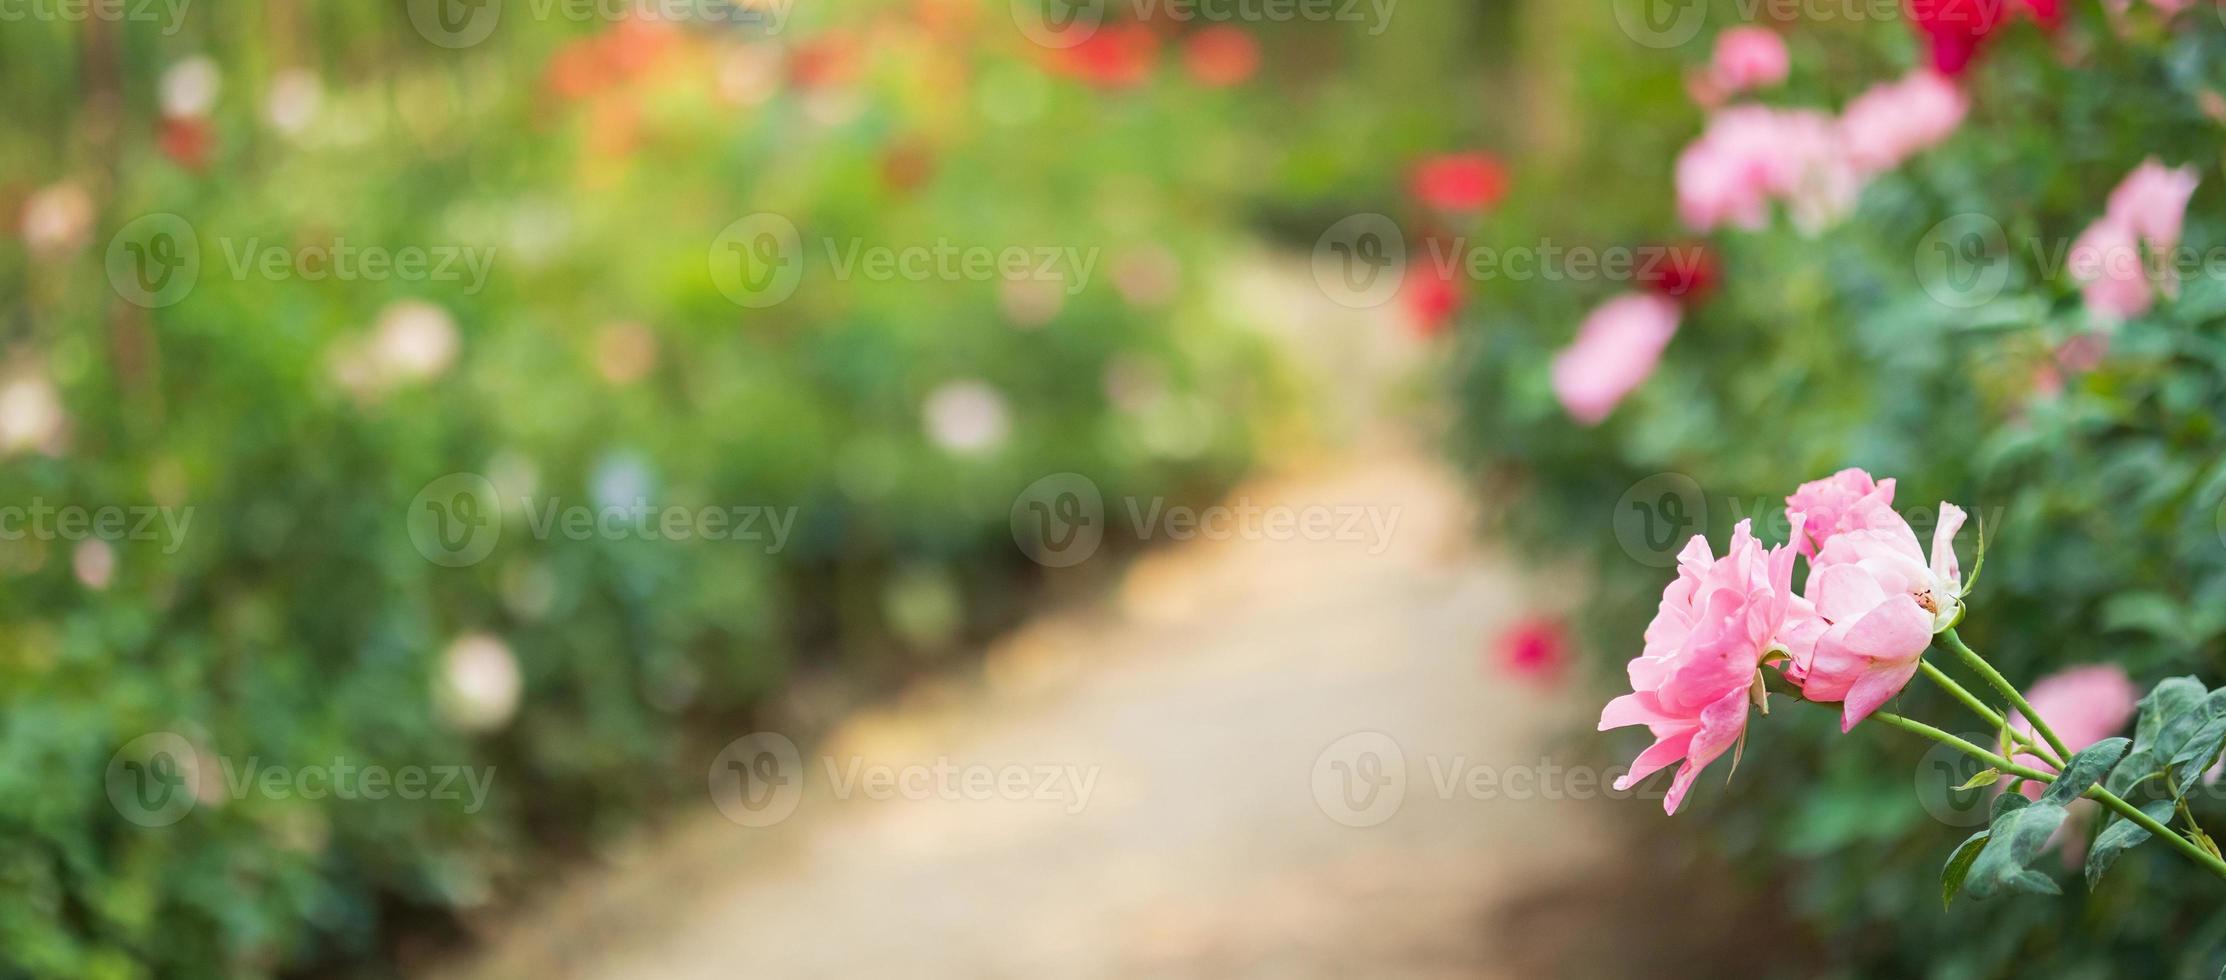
(1007, 488)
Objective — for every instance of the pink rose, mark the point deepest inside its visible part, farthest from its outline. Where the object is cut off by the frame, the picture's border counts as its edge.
(2083, 705)
(1893, 121)
(2147, 209)
(1691, 684)
(2114, 281)
(1746, 58)
(1615, 350)
(2152, 201)
(1835, 504)
(1751, 155)
(1881, 602)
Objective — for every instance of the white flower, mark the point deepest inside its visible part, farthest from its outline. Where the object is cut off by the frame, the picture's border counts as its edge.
(967, 417)
(57, 219)
(477, 689)
(293, 101)
(30, 414)
(189, 88)
(414, 340)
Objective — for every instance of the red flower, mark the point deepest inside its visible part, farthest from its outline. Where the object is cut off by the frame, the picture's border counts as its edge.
(1686, 273)
(576, 70)
(186, 142)
(1956, 28)
(1221, 55)
(1535, 648)
(1431, 298)
(1460, 181)
(827, 60)
(1114, 56)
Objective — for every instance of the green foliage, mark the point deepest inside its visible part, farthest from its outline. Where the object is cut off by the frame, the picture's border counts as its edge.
(2101, 489)
(297, 623)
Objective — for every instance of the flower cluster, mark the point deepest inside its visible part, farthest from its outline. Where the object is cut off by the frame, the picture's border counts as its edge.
(1872, 601)
(2147, 209)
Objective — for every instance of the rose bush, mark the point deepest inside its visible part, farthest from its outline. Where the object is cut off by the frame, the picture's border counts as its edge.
(1934, 328)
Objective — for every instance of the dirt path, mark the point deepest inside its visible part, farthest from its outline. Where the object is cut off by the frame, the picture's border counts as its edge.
(1228, 802)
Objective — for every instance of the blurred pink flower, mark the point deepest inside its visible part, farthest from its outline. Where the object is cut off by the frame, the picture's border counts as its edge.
(1615, 350)
(1881, 602)
(2083, 352)
(1748, 57)
(1893, 121)
(57, 219)
(1836, 504)
(2146, 209)
(2114, 282)
(1536, 648)
(2082, 705)
(1750, 155)
(2152, 201)
(1691, 684)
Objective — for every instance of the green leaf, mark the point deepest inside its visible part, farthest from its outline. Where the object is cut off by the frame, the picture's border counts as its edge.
(2084, 769)
(2015, 839)
(2171, 714)
(1984, 777)
(2119, 837)
(2196, 754)
(1959, 864)
(2005, 803)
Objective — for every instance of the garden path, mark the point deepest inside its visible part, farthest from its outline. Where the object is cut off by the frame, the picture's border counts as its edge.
(1210, 702)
